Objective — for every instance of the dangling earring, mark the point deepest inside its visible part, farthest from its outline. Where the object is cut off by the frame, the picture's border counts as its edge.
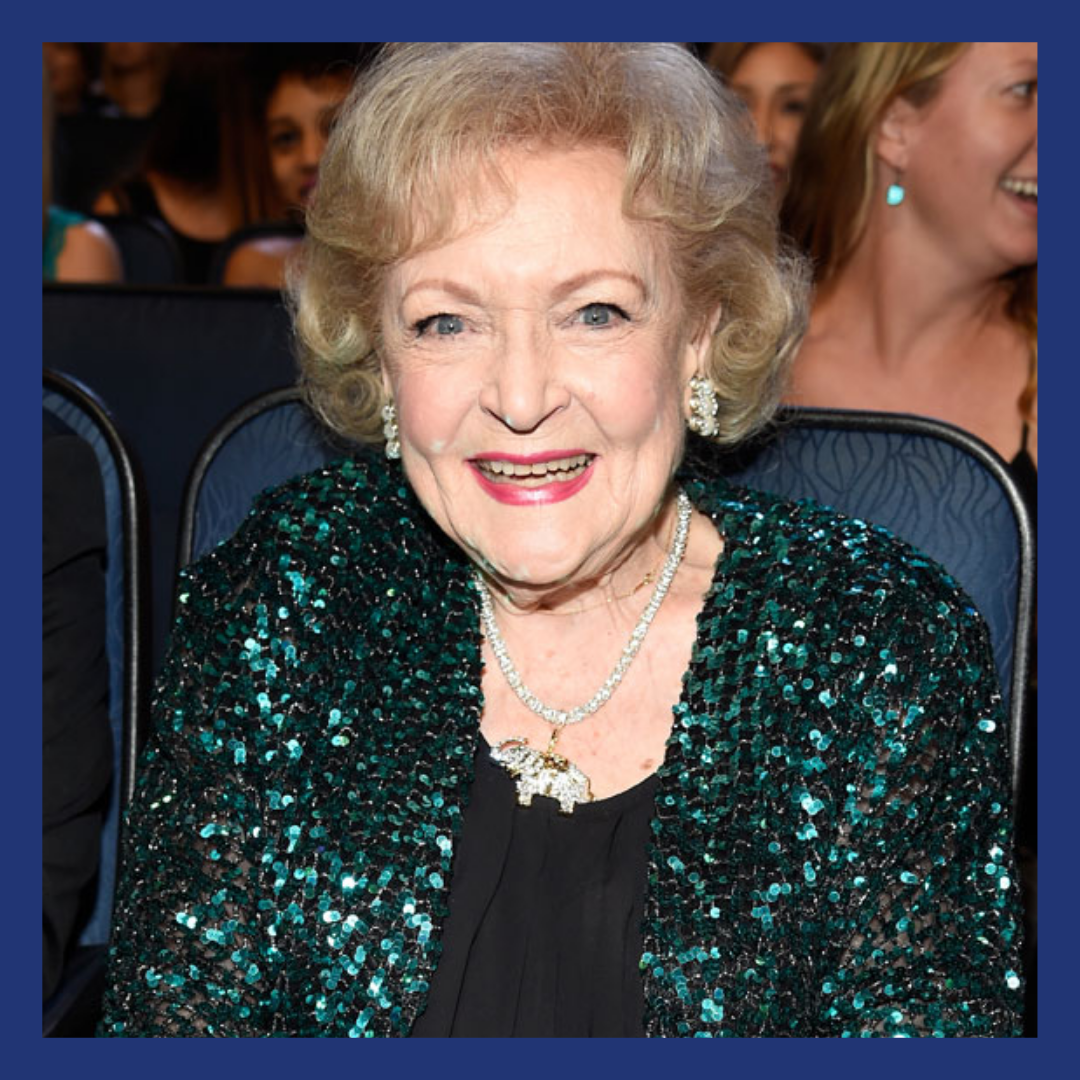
(894, 195)
(704, 406)
(390, 431)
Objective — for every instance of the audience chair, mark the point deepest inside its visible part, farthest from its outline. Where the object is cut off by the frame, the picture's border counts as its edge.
(72, 1009)
(147, 249)
(270, 439)
(932, 484)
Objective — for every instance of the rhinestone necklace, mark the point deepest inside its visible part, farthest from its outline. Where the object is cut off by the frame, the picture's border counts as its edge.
(543, 772)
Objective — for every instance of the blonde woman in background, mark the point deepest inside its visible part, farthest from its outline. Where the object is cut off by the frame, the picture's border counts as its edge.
(915, 191)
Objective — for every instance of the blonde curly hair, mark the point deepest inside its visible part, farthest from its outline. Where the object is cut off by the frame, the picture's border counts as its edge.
(427, 120)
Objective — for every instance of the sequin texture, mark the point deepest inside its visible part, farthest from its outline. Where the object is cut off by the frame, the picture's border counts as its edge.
(830, 851)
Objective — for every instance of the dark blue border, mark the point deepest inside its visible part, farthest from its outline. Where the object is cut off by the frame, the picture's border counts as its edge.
(608, 19)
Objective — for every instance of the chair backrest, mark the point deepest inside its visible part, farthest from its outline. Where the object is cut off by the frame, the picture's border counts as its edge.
(148, 251)
(935, 486)
(270, 439)
(172, 363)
(932, 484)
(261, 230)
(125, 577)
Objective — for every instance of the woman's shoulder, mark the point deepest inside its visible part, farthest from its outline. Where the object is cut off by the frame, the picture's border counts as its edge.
(88, 253)
(341, 525)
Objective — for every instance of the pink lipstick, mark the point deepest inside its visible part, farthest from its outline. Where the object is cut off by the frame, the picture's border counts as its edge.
(533, 479)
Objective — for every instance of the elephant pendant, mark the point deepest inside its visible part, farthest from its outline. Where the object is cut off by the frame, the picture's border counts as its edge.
(543, 772)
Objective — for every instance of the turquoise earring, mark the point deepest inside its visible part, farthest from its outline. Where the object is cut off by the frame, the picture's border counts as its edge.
(894, 196)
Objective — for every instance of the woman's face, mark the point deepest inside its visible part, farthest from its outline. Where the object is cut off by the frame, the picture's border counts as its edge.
(299, 116)
(972, 168)
(774, 78)
(538, 362)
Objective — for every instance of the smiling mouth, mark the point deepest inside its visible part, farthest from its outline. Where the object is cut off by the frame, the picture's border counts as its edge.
(533, 474)
(1028, 190)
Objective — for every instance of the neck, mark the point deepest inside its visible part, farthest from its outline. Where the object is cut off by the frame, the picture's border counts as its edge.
(623, 586)
(906, 299)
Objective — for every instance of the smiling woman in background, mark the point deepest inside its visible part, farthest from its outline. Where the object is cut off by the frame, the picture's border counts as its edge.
(916, 193)
(532, 725)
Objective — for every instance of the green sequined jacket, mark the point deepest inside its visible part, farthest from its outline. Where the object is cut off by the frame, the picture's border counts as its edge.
(830, 851)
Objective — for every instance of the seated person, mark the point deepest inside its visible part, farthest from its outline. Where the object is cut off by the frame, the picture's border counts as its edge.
(76, 740)
(299, 89)
(774, 78)
(73, 249)
(532, 724)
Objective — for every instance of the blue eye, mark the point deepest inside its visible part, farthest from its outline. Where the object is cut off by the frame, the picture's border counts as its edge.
(1025, 89)
(599, 314)
(445, 325)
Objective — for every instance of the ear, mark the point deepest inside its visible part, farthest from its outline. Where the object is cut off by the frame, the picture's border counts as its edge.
(696, 350)
(895, 133)
(384, 375)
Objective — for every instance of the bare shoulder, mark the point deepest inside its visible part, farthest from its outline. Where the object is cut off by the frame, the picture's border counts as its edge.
(260, 263)
(89, 254)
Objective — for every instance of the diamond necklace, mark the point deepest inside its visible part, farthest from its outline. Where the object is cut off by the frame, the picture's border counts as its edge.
(543, 772)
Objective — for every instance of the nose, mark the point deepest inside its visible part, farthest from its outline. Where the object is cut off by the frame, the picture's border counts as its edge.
(524, 389)
(311, 149)
(762, 117)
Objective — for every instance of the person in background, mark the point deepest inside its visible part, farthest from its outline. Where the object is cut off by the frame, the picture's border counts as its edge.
(133, 75)
(71, 66)
(73, 248)
(774, 78)
(915, 193)
(193, 175)
(523, 721)
(915, 190)
(298, 91)
(76, 738)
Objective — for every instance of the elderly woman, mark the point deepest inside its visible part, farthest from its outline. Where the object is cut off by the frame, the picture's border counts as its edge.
(538, 727)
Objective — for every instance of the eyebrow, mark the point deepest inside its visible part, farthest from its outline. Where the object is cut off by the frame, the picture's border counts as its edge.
(561, 291)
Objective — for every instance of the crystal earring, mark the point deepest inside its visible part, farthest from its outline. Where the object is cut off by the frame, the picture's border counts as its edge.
(704, 406)
(390, 431)
(894, 195)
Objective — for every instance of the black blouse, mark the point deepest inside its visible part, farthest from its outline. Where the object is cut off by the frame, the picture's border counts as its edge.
(543, 938)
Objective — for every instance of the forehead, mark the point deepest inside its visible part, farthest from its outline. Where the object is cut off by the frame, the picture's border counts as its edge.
(775, 62)
(294, 95)
(987, 61)
(534, 204)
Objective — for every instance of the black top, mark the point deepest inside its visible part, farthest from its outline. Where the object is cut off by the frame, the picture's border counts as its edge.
(544, 933)
(76, 743)
(137, 197)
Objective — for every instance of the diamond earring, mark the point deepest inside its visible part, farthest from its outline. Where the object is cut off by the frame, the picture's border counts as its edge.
(390, 431)
(704, 406)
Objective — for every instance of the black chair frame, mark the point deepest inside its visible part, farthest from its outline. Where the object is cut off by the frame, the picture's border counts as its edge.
(68, 1006)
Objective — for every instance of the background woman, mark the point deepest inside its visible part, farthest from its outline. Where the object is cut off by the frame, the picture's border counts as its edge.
(774, 78)
(194, 175)
(916, 192)
(297, 92)
(535, 726)
(73, 249)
